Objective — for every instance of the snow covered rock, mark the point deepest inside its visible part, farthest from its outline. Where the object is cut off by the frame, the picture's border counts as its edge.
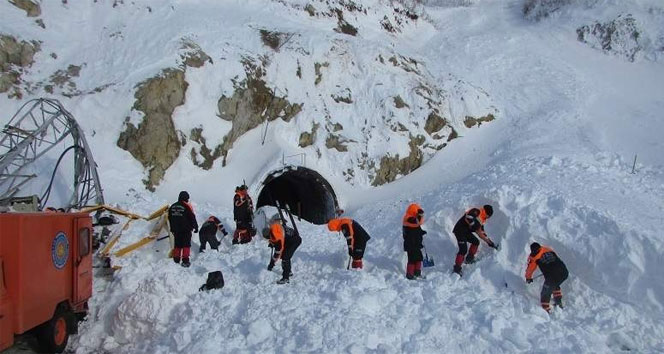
(621, 36)
(538, 9)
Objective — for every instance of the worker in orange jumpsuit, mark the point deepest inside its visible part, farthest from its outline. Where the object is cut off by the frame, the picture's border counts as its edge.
(472, 222)
(412, 240)
(356, 238)
(554, 271)
(284, 241)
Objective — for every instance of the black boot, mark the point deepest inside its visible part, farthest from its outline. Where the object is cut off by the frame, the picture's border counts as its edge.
(283, 281)
(185, 262)
(176, 260)
(470, 259)
(457, 270)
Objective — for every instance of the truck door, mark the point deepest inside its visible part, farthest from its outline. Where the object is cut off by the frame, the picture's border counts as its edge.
(82, 260)
(6, 320)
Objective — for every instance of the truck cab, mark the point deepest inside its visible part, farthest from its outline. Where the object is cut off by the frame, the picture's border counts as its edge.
(45, 276)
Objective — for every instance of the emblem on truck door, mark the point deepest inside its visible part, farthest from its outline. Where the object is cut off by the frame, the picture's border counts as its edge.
(60, 250)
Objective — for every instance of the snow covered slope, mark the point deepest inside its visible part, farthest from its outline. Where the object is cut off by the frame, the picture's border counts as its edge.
(556, 166)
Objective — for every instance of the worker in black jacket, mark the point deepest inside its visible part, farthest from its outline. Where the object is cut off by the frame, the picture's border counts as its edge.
(182, 220)
(243, 214)
(412, 240)
(471, 223)
(356, 238)
(208, 233)
(284, 241)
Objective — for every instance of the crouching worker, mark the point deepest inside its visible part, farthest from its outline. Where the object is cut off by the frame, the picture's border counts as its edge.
(554, 271)
(412, 240)
(208, 233)
(284, 244)
(182, 220)
(471, 223)
(356, 238)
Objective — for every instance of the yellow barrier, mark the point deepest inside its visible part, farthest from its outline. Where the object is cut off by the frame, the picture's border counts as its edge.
(114, 239)
(130, 215)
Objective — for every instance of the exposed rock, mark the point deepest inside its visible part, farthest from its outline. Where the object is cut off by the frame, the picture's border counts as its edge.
(319, 75)
(274, 39)
(62, 79)
(15, 56)
(155, 142)
(40, 23)
(193, 55)
(252, 104)
(470, 122)
(32, 8)
(310, 9)
(343, 26)
(399, 103)
(336, 142)
(308, 138)
(620, 36)
(208, 155)
(434, 123)
(392, 166)
(337, 127)
(538, 9)
(345, 96)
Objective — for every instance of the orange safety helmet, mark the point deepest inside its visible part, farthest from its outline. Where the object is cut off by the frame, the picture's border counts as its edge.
(413, 211)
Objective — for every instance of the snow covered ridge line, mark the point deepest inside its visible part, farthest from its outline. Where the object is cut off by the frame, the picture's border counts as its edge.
(624, 29)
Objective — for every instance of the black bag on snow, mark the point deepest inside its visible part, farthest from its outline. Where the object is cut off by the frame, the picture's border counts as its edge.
(215, 280)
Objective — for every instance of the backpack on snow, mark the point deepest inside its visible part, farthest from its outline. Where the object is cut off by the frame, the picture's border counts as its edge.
(215, 280)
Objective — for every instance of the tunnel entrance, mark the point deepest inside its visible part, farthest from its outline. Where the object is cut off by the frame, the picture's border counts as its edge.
(304, 191)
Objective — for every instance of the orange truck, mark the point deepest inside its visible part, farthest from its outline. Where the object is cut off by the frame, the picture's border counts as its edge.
(45, 276)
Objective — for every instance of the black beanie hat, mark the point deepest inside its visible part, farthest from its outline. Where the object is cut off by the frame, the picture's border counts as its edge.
(488, 209)
(183, 196)
(534, 247)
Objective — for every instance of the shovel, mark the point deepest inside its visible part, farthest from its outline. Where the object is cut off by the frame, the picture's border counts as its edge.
(427, 261)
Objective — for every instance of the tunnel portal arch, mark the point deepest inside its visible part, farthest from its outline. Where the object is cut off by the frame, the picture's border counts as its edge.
(306, 193)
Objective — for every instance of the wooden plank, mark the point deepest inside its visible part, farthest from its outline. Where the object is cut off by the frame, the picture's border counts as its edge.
(157, 213)
(114, 239)
(134, 246)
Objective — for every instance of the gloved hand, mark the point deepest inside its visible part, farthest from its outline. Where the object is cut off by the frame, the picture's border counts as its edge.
(424, 232)
(225, 233)
(350, 251)
(196, 230)
(528, 281)
(271, 265)
(490, 243)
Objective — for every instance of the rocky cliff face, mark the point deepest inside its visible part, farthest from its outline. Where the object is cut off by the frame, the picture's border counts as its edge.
(252, 104)
(155, 142)
(15, 57)
(337, 84)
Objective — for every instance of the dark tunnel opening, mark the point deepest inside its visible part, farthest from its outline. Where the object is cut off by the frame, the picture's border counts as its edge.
(304, 191)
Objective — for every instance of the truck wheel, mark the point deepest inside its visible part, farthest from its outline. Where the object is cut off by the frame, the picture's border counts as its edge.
(54, 334)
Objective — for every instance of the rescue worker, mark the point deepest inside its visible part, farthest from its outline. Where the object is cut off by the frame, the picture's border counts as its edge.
(182, 221)
(284, 242)
(471, 222)
(356, 238)
(243, 213)
(554, 271)
(412, 240)
(208, 233)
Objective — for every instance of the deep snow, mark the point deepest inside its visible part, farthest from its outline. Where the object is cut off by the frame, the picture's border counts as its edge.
(556, 166)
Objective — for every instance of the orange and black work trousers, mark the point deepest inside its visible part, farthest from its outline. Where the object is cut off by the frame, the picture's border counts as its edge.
(551, 287)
